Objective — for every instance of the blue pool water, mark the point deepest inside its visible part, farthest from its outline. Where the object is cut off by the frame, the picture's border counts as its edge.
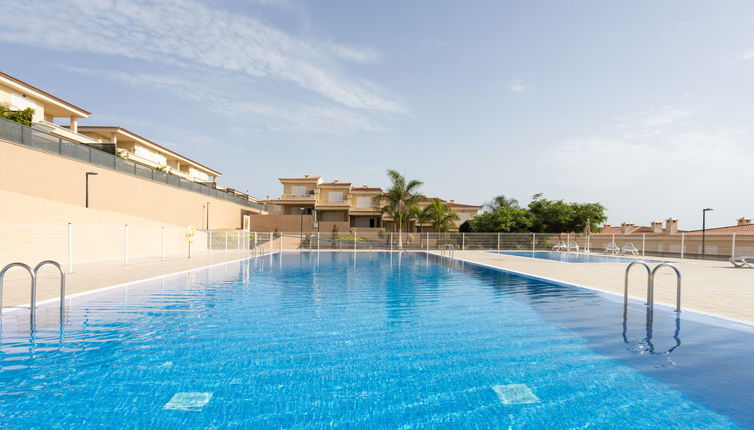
(569, 257)
(382, 340)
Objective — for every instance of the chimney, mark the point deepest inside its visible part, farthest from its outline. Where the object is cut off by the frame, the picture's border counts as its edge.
(452, 201)
(335, 181)
(268, 197)
(606, 225)
(627, 227)
(671, 226)
(656, 226)
(306, 176)
(744, 221)
(365, 185)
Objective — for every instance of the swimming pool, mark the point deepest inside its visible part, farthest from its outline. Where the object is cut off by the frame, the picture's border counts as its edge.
(570, 257)
(381, 340)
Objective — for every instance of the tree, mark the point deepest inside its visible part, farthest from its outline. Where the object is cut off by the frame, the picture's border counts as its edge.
(24, 116)
(400, 201)
(501, 201)
(439, 214)
(557, 216)
(504, 220)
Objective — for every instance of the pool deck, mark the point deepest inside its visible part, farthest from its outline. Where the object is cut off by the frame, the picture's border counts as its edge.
(88, 277)
(709, 287)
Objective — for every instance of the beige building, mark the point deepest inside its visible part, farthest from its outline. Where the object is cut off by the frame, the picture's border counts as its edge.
(131, 146)
(345, 205)
(58, 170)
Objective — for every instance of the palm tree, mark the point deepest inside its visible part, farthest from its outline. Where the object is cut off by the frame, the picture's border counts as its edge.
(439, 214)
(400, 201)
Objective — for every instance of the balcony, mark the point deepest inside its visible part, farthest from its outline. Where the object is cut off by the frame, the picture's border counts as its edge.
(64, 132)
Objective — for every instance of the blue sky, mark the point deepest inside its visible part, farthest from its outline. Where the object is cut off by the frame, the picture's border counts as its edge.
(644, 106)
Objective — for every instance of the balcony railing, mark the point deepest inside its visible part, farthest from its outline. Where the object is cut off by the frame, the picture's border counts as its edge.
(27, 136)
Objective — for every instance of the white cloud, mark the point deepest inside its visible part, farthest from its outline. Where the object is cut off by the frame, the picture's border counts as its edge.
(517, 86)
(747, 56)
(261, 112)
(191, 35)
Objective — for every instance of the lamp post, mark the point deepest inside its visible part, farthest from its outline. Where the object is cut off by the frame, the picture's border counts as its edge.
(207, 215)
(88, 174)
(704, 227)
(301, 229)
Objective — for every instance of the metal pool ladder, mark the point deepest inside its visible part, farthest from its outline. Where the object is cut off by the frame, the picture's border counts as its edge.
(447, 250)
(33, 274)
(650, 284)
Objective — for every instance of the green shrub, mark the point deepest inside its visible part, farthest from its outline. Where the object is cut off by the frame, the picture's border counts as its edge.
(23, 117)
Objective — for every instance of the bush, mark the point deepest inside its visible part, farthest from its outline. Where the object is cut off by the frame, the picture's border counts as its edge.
(23, 117)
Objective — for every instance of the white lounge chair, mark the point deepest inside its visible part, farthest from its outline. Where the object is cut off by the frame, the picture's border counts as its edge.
(747, 261)
(572, 246)
(629, 248)
(560, 246)
(612, 248)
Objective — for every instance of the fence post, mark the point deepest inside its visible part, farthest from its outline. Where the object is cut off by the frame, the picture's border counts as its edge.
(354, 239)
(683, 244)
(226, 241)
(209, 232)
(391, 241)
(643, 243)
(533, 242)
(125, 241)
(427, 241)
(281, 244)
(162, 240)
(255, 239)
(733, 246)
(613, 240)
(498, 241)
(317, 241)
(70, 248)
(238, 243)
(463, 241)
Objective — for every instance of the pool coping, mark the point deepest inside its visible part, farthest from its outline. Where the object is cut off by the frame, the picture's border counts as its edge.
(729, 322)
(45, 302)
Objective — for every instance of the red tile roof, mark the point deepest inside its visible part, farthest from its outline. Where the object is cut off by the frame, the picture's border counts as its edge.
(738, 229)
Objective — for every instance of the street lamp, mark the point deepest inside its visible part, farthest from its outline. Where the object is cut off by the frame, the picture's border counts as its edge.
(87, 186)
(704, 227)
(207, 215)
(301, 229)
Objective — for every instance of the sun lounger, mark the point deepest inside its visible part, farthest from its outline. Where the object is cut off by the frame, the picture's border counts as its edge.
(560, 246)
(629, 248)
(743, 261)
(612, 248)
(572, 246)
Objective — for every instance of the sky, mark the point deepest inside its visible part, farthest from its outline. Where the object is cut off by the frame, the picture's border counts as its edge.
(646, 107)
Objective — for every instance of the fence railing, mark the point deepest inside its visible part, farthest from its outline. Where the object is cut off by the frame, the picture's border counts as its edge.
(675, 246)
(27, 136)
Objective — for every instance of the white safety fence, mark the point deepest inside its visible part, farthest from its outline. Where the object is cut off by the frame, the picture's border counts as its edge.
(79, 245)
(681, 245)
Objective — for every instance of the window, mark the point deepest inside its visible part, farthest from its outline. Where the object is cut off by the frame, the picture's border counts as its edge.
(299, 191)
(335, 196)
(363, 202)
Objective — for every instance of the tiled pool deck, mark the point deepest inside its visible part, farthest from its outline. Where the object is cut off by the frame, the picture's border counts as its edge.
(711, 287)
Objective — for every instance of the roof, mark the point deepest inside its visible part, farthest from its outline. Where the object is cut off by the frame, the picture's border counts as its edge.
(305, 178)
(459, 205)
(738, 229)
(334, 184)
(616, 229)
(356, 189)
(43, 93)
(123, 130)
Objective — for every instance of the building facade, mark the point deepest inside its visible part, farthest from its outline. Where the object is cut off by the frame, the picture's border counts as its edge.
(347, 205)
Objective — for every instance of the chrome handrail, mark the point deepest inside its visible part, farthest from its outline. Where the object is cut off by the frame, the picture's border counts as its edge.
(62, 280)
(678, 286)
(33, 285)
(625, 281)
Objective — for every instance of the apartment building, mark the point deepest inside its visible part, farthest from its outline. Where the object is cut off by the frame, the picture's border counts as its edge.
(60, 118)
(346, 204)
